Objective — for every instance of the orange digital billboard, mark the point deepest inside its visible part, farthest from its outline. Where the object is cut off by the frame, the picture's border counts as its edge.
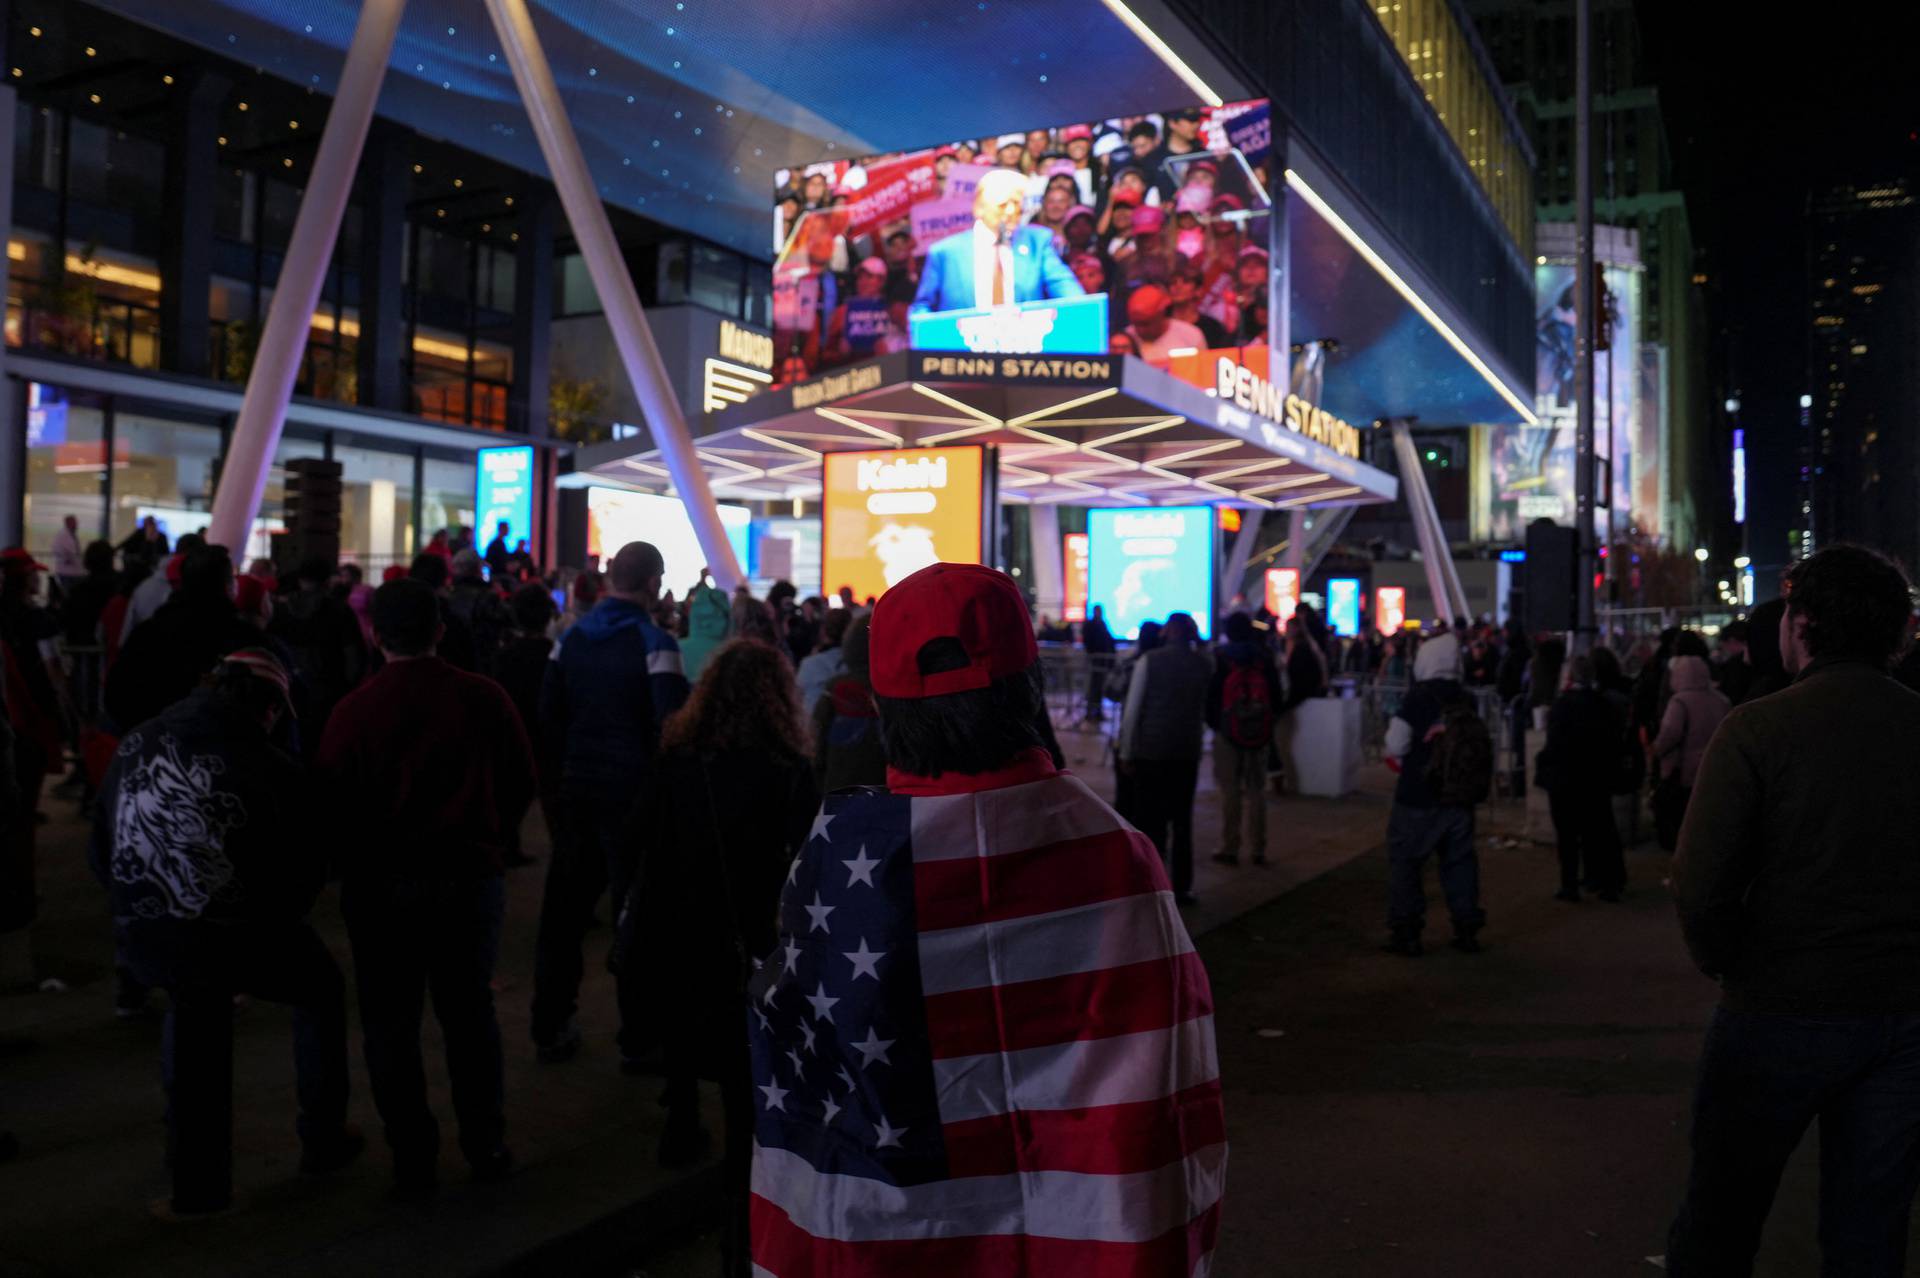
(888, 514)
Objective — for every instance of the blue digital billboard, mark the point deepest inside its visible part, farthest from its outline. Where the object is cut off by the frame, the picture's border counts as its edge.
(1343, 606)
(1145, 563)
(503, 491)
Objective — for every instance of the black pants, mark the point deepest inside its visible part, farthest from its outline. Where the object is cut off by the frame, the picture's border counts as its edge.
(1099, 665)
(202, 967)
(1163, 795)
(410, 938)
(593, 852)
(1583, 826)
(682, 1099)
(1764, 1079)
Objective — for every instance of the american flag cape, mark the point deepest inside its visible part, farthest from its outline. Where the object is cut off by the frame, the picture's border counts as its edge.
(983, 1046)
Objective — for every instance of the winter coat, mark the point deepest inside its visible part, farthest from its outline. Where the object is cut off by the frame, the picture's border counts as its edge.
(1693, 715)
(1584, 739)
(1166, 704)
(707, 615)
(168, 654)
(1236, 656)
(613, 681)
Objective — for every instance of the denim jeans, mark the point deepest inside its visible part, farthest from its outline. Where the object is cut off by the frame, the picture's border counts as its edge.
(202, 966)
(595, 851)
(409, 938)
(1764, 1078)
(1413, 835)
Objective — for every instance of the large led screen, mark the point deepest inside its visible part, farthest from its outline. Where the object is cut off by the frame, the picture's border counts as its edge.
(503, 493)
(616, 517)
(887, 515)
(1145, 564)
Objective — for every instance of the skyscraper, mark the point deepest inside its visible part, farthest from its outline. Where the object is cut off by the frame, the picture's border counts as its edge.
(1863, 428)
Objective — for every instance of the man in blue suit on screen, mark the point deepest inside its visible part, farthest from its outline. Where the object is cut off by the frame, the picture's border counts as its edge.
(998, 262)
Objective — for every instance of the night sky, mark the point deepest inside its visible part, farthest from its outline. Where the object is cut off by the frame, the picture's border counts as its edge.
(1761, 109)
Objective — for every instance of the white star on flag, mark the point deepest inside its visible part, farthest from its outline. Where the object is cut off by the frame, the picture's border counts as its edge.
(865, 961)
(874, 1049)
(846, 1077)
(820, 824)
(768, 997)
(832, 1111)
(776, 1096)
(806, 1032)
(884, 1135)
(818, 913)
(822, 1004)
(793, 956)
(793, 870)
(766, 1026)
(798, 1064)
(860, 869)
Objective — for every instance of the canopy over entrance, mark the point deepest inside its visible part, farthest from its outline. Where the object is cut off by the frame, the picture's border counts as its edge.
(1078, 430)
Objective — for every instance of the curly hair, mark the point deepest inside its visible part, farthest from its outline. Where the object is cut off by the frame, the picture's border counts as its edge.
(1858, 603)
(745, 700)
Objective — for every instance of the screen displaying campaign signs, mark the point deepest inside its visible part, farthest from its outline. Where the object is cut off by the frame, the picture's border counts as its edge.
(1144, 564)
(1283, 593)
(1390, 609)
(888, 514)
(616, 517)
(1343, 606)
(1074, 560)
(503, 491)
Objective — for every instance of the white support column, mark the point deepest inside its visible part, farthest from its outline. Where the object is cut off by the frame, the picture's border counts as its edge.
(283, 340)
(608, 270)
(1049, 560)
(1434, 553)
(1233, 581)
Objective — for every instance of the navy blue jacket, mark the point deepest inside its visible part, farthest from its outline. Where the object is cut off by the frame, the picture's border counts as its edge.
(614, 679)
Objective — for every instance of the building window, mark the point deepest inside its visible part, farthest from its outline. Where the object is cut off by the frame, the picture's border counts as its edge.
(66, 464)
(447, 495)
(376, 505)
(161, 467)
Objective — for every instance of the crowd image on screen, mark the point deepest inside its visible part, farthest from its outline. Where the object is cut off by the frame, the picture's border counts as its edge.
(1162, 213)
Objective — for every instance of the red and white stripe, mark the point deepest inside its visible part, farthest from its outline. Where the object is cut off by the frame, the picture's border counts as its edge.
(1074, 1063)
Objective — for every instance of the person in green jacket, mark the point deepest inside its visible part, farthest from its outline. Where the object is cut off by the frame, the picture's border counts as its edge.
(707, 613)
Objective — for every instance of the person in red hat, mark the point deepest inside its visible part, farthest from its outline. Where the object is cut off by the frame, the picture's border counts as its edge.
(983, 1039)
(1150, 307)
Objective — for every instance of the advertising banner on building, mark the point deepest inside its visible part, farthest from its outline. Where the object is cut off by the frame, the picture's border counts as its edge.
(1530, 469)
(503, 493)
(1075, 560)
(1343, 606)
(1283, 593)
(886, 515)
(1145, 564)
(1389, 609)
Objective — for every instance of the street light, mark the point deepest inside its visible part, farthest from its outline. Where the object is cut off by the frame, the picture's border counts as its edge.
(1806, 401)
(1700, 553)
(1742, 562)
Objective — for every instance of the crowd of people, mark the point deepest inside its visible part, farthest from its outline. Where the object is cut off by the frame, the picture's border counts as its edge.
(679, 751)
(1139, 208)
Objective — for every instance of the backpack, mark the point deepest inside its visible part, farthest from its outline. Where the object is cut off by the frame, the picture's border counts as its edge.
(1246, 708)
(1460, 767)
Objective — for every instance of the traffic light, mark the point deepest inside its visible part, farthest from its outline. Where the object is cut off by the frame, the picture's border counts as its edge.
(312, 508)
(1550, 591)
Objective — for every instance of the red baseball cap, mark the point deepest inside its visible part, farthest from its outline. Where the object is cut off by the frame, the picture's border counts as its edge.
(1076, 133)
(20, 559)
(1130, 198)
(1147, 301)
(972, 603)
(1148, 219)
(248, 594)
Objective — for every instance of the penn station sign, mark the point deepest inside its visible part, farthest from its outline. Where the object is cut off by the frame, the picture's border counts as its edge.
(1239, 385)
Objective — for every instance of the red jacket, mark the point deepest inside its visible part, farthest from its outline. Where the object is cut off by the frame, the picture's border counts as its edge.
(433, 765)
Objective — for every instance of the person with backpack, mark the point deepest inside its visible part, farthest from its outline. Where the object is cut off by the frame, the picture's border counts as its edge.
(1242, 709)
(1445, 756)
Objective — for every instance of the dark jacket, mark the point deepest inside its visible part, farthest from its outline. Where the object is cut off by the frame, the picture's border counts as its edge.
(479, 607)
(716, 842)
(1426, 702)
(80, 614)
(1306, 675)
(1798, 871)
(435, 768)
(1096, 638)
(201, 820)
(329, 650)
(1234, 656)
(170, 652)
(1166, 704)
(521, 668)
(613, 682)
(1584, 741)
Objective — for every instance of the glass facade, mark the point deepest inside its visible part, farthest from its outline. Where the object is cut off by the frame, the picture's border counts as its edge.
(377, 503)
(161, 465)
(1446, 64)
(66, 465)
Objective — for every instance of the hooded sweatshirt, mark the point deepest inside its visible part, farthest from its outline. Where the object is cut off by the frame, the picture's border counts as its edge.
(1436, 674)
(707, 614)
(1693, 715)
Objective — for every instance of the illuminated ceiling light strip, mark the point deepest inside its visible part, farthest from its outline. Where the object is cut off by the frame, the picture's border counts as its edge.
(947, 437)
(1298, 481)
(942, 398)
(1329, 495)
(1119, 421)
(1204, 450)
(833, 415)
(635, 464)
(1165, 53)
(1159, 423)
(1413, 299)
(1252, 468)
(1051, 445)
(1064, 406)
(739, 468)
(891, 415)
(774, 442)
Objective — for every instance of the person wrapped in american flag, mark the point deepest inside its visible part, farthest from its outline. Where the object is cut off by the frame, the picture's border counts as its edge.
(984, 1044)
